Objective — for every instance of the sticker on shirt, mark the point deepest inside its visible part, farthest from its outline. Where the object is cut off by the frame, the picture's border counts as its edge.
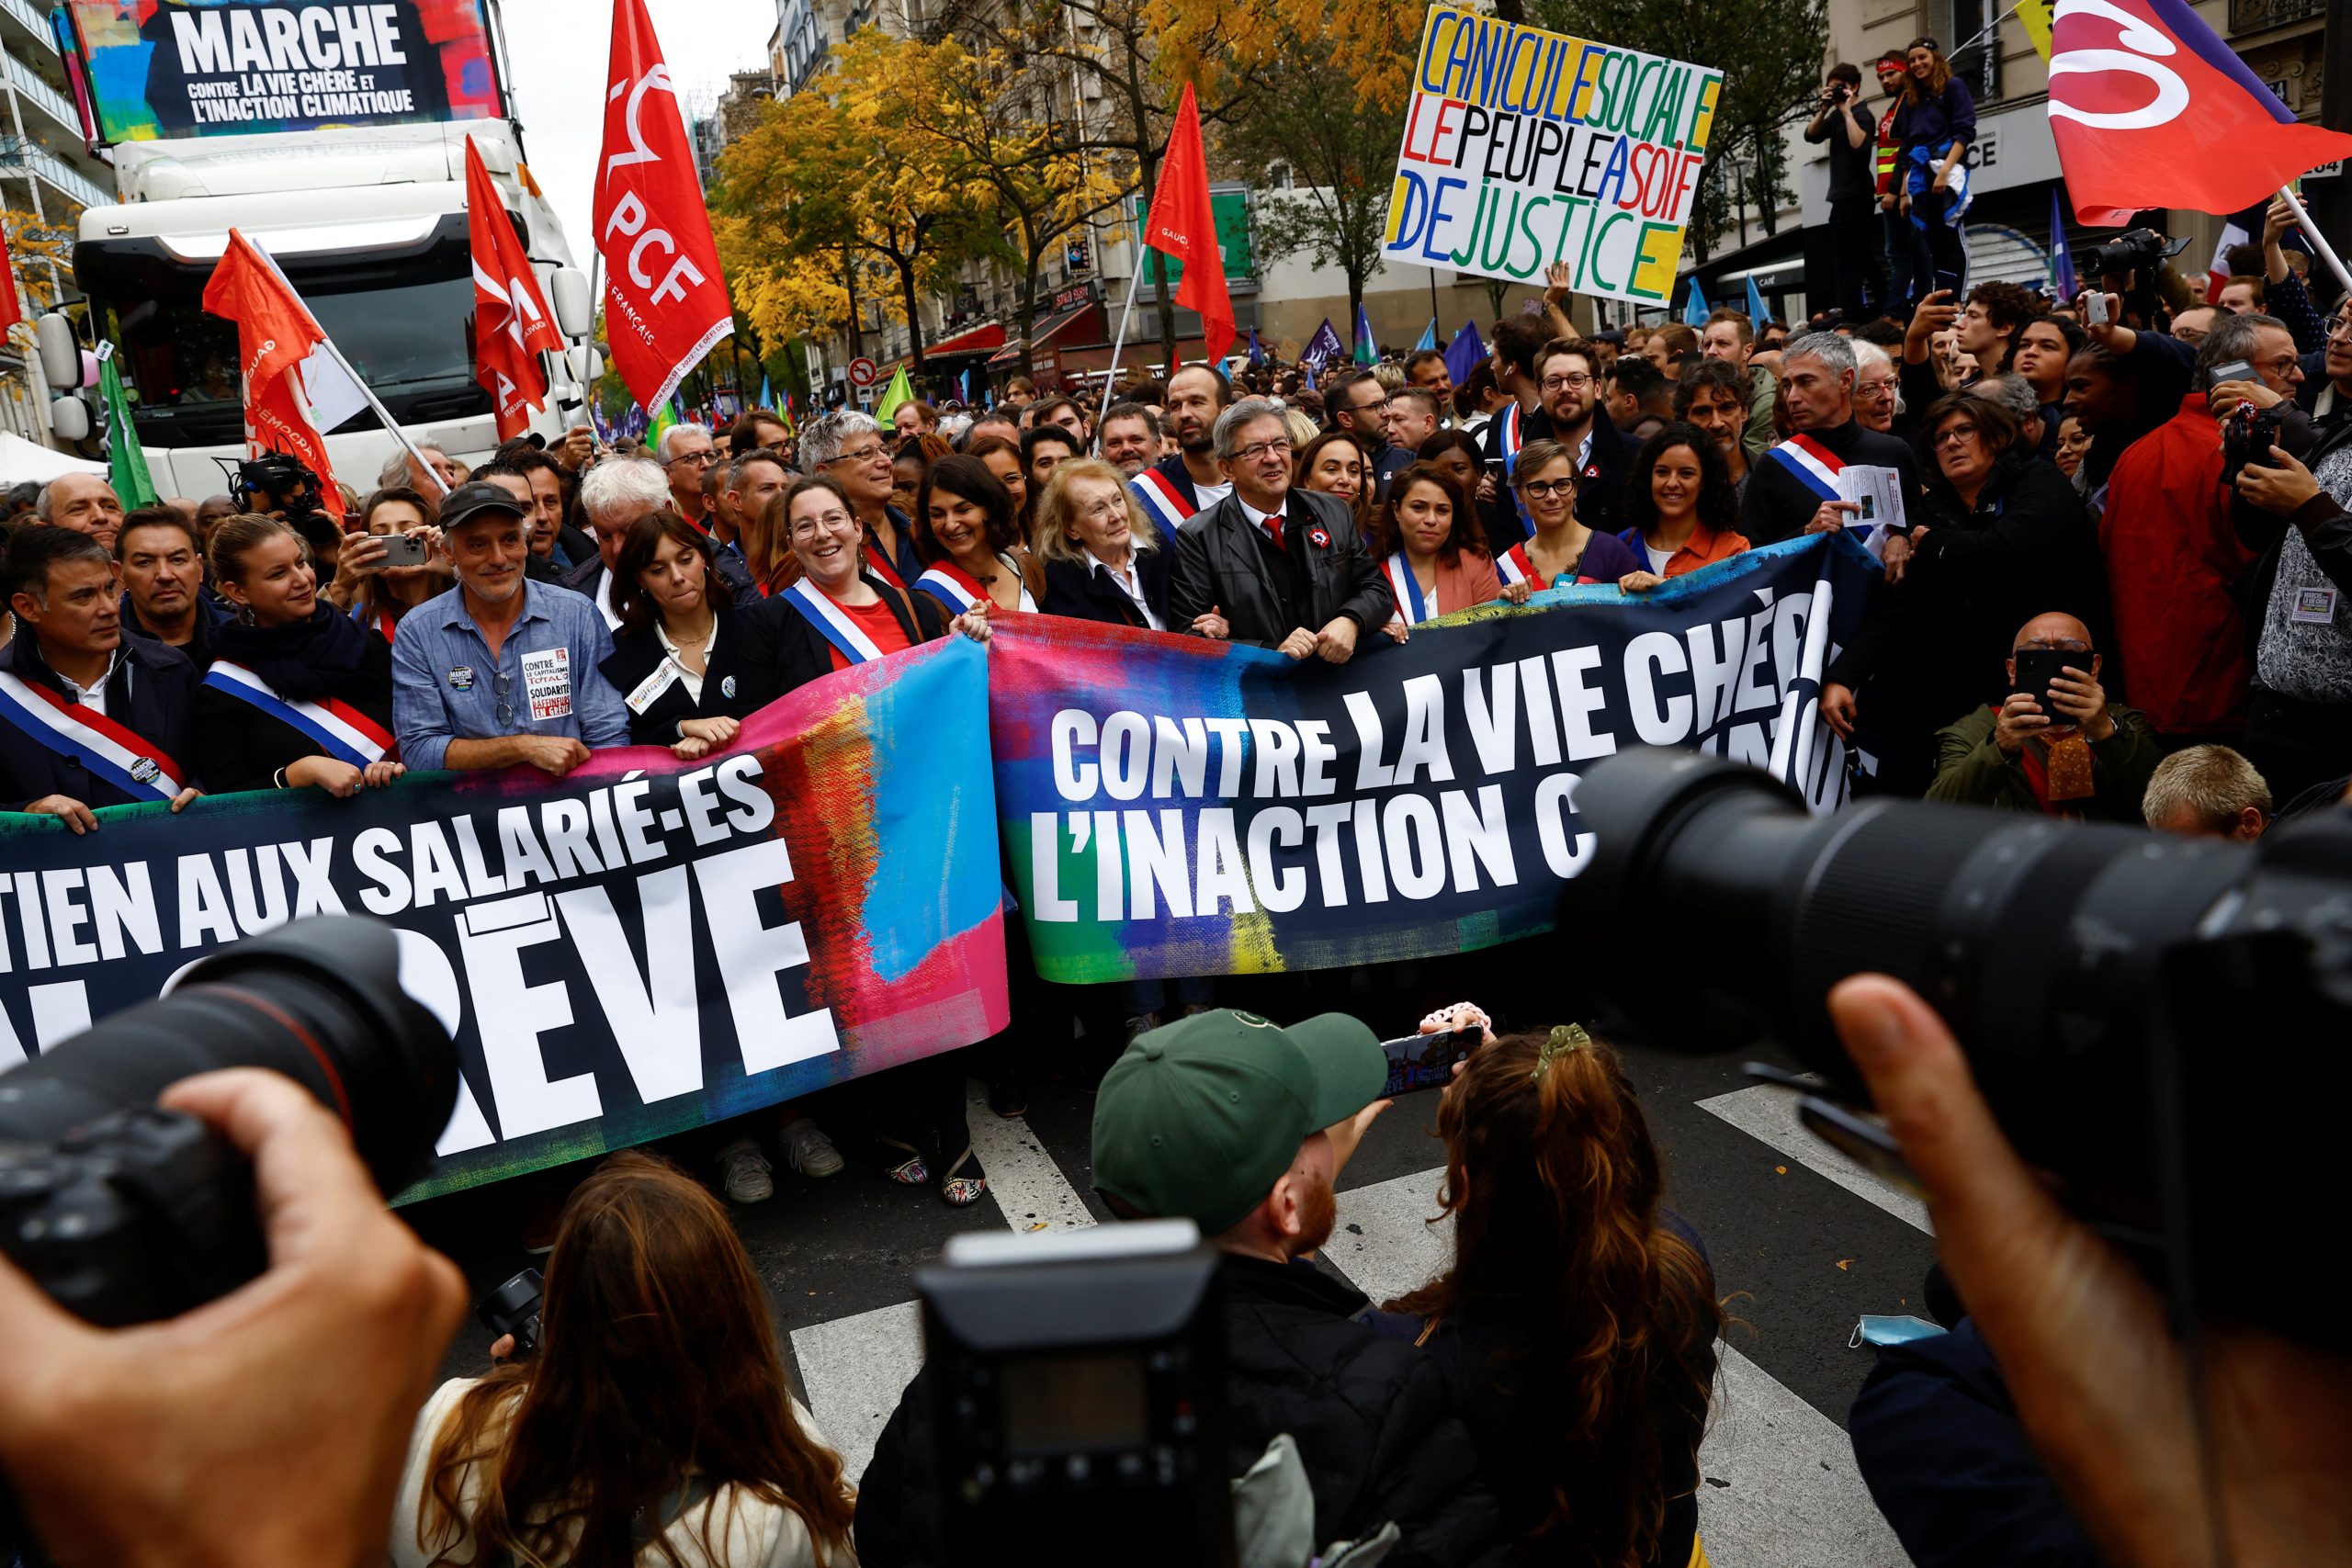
(461, 678)
(653, 686)
(546, 681)
(2313, 607)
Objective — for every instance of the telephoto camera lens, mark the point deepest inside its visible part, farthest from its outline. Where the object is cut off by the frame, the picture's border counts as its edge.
(124, 1212)
(2159, 1021)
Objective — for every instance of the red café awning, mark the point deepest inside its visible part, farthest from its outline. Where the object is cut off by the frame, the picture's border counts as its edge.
(1064, 326)
(978, 341)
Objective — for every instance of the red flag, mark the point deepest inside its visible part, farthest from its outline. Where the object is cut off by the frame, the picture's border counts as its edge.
(665, 300)
(1181, 223)
(512, 322)
(12, 311)
(276, 332)
(2151, 109)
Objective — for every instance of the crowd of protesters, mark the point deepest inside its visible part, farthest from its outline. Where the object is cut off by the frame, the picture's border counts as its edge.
(2115, 593)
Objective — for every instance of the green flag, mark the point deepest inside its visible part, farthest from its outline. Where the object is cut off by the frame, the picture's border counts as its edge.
(900, 390)
(663, 418)
(126, 461)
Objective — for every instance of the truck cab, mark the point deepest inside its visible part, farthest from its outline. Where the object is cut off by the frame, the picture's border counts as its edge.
(369, 225)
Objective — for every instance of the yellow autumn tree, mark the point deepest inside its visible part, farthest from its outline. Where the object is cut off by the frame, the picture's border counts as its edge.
(822, 177)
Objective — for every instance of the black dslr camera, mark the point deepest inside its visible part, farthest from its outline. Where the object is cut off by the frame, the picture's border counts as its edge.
(2133, 250)
(281, 485)
(125, 1213)
(2158, 1022)
(2248, 435)
(1077, 1382)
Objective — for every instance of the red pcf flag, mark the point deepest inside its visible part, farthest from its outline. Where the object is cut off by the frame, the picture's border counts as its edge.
(2151, 109)
(665, 301)
(1181, 223)
(512, 325)
(276, 332)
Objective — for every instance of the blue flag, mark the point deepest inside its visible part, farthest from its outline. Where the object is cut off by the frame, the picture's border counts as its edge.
(1257, 353)
(1694, 304)
(1324, 347)
(767, 397)
(1366, 351)
(2062, 258)
(1464, 355)
(1756, 316)
(1306, 369)
(1428, 336)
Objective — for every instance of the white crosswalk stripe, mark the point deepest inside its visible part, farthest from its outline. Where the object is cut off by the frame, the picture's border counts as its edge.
(1768, 1115)
(1780, 1485)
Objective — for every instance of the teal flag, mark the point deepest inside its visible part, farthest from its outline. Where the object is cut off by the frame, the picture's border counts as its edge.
(1694, 304)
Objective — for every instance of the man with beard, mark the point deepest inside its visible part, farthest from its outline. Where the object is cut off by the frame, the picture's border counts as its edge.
(1225, 1120)
(1175, 488)
(1569, 392)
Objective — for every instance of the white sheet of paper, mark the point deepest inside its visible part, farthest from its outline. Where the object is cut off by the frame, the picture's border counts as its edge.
(1878, 491)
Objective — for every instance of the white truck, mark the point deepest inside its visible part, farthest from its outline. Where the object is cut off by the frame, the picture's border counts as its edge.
(369, 225)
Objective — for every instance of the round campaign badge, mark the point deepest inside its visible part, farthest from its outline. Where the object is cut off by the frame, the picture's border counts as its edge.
(727, 687)
(1322, 540)
(144, 770)
(461, 678)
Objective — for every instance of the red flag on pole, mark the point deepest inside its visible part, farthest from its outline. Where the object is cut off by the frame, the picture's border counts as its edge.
(2149, 108)
(12, 310)
(512, 322)
(1181, 223)
(276, 332)
(665, 300)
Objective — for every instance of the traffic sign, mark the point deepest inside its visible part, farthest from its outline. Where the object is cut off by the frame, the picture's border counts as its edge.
(863, 372)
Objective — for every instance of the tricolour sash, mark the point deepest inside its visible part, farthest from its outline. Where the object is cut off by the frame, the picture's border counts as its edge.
(1162, 499)
(1513, 566)
(833, 622)
(122, 757)
(1410, 607)
(339, 729)
(952, 586)
(1811, 465)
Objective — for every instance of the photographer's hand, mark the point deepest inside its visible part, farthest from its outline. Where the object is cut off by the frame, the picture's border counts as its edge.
(2082, 702)
(2282, 488)
(266, 1426)
(2098, 1379)
(2226, 396)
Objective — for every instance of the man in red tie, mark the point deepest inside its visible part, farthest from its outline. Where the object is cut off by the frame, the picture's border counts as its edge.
(1271, 564)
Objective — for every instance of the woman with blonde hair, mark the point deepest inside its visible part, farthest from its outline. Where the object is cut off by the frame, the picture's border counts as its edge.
(652, 1425)
(1576, 1324)
(1103, 561)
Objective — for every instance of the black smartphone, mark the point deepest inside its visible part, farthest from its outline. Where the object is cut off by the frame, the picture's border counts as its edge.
(1425, 1061)
(1948, 280)
(2037, 667)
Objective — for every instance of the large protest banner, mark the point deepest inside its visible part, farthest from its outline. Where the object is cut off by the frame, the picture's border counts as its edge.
(170, 68)
(643, 947)
(1523, 147)
(1171, 806)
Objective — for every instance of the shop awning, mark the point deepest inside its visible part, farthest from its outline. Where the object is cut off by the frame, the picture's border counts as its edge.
(976, 343)
(1065, 327)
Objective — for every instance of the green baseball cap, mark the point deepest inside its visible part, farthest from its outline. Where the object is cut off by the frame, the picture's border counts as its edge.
(1199, 1119)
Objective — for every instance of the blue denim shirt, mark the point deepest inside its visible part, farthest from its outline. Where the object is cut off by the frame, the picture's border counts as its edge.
(446, 686)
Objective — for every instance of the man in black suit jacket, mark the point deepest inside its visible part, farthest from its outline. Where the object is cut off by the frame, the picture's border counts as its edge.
(1566, 375)
(1279, 567)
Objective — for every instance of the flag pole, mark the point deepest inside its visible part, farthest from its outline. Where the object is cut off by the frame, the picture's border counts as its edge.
(2319, 240)
(1111, 377)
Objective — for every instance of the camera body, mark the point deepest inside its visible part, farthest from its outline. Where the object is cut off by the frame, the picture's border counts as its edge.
(283, 484)
(1077, 1395)
(2133, 250)
(514, 1308)
(2248, 435)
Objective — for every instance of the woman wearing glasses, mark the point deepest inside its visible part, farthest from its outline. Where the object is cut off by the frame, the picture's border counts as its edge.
(1103, 561)
(1561, 550)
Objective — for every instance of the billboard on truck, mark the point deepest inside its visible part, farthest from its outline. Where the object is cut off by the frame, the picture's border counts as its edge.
(177, 68)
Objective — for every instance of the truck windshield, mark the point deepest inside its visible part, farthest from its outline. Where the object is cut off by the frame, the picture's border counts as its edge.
(394, 336)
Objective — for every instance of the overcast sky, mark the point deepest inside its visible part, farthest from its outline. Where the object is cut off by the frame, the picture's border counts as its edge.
(560, 51)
